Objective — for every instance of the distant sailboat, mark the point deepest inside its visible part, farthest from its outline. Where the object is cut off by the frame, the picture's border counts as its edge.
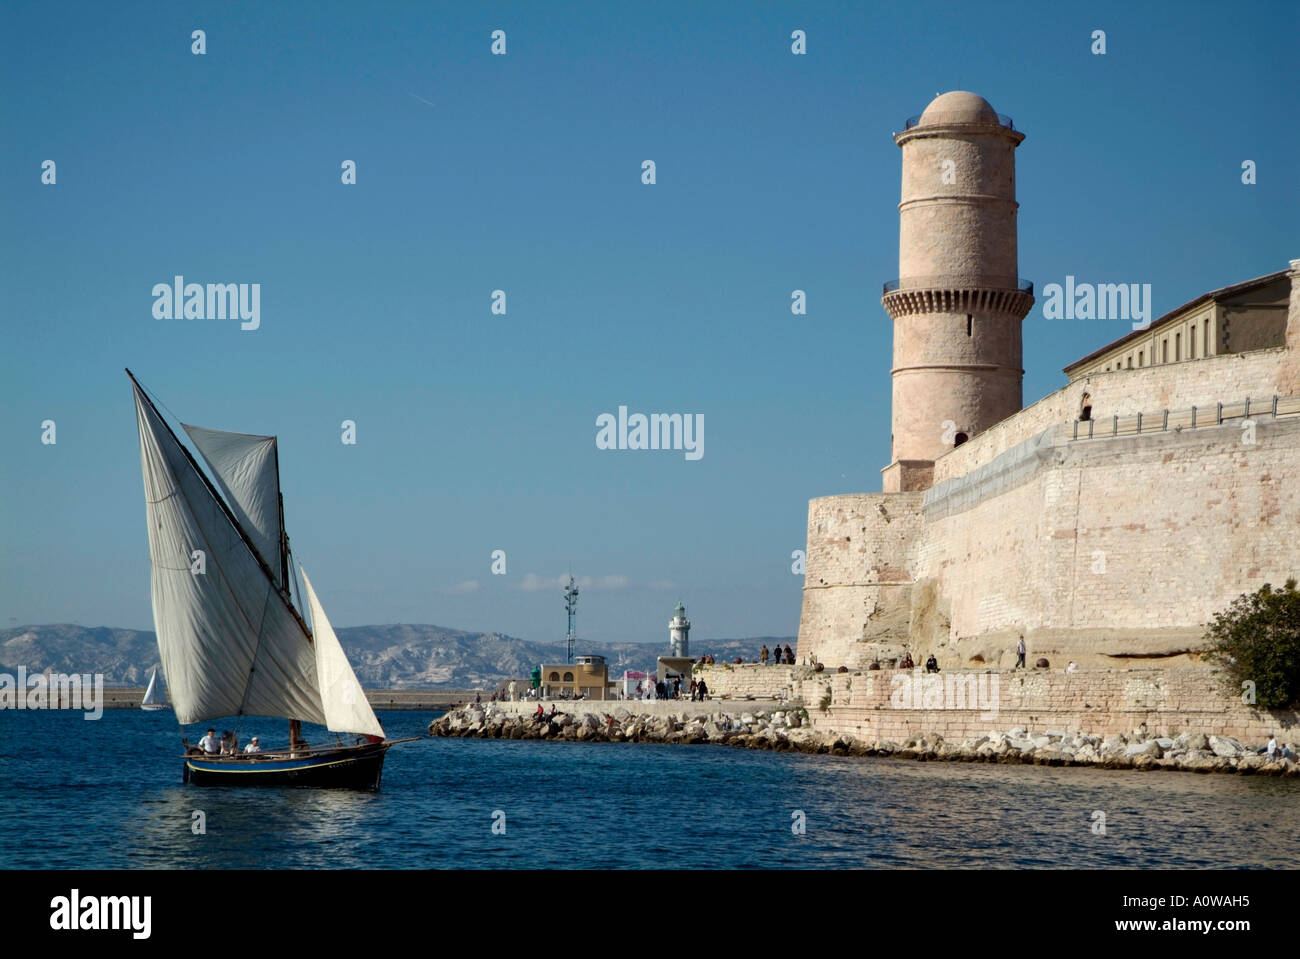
(152, 697)
(231, 640)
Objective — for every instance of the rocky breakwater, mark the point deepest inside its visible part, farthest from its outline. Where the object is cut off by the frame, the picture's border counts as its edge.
(780, 729)
(1188, 752)
(790, 730)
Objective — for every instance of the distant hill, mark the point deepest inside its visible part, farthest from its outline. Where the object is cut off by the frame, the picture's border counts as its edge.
(393, 656)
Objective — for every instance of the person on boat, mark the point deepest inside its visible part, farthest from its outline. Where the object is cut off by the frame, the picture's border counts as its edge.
(253, 746)
(209, 743)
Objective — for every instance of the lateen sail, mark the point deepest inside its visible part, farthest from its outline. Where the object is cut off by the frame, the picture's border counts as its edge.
(230, 643)
(247, 470)
(151, 695)
(346, 708)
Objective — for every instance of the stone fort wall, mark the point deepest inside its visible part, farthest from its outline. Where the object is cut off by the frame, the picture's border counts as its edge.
(1100, 549)
(1229, 377)
(883, 704)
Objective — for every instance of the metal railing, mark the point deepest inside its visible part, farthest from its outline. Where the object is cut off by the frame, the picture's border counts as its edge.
(1185, 419)
(958, 282)
(957, 118)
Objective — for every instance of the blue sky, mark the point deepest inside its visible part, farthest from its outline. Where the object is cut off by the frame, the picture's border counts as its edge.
(522, 172)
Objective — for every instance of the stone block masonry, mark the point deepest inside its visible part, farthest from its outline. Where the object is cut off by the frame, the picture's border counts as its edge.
(1097, 551)
(879, 704)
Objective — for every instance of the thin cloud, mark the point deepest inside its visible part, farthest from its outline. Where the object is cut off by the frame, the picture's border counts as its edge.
(464, 586)
(532, 583)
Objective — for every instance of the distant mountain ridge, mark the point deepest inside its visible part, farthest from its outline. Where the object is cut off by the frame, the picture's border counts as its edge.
(396, 656)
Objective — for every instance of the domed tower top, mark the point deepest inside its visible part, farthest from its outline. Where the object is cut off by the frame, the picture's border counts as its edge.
(959, 108)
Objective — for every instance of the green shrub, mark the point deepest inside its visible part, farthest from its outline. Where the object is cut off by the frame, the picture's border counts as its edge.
(1257, 639)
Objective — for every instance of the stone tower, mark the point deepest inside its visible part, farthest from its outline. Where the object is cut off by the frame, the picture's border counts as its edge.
(958, 303)
(679, 633)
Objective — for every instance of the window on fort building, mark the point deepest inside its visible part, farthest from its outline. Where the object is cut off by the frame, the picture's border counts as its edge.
(568, 677)
(959, 439)
(1085, 407)
(1164, 351)
(554, 677)
(1206, 344)
(1178, 347)
(1140, 358)
(969, 321)
(1191, 344)
(1130, 362)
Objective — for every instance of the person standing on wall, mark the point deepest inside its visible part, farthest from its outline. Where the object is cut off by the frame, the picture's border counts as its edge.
(1020, 653)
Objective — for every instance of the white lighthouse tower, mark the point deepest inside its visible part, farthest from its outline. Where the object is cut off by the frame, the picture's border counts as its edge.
(679, 630)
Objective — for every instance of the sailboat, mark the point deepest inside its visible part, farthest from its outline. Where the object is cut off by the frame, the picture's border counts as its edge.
(152, 697)
(231, 640)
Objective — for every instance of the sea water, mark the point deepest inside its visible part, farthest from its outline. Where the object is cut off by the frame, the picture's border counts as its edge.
(108, 794)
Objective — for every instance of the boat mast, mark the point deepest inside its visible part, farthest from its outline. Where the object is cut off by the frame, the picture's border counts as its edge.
(295, 725)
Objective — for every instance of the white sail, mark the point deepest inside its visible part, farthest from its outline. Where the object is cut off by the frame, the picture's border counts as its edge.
(247, 470)
(230, 643)
(151, 695)
(345, 704)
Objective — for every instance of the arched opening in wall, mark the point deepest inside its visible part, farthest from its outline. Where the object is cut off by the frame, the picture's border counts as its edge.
(568, 677)
(554, 677)
(1085, 407)
(959, 439)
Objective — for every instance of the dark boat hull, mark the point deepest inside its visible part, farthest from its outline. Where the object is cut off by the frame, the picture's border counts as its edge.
(349, 767)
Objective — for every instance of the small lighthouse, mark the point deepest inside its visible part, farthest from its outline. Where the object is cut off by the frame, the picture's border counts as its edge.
(679, 631)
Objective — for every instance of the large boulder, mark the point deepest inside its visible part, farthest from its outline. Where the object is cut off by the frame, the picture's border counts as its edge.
(1191, 741)
(1150, 748)
(1226, 747)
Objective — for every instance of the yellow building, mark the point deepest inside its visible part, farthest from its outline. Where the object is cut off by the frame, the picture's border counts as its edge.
(1235, 319)
(586, 676)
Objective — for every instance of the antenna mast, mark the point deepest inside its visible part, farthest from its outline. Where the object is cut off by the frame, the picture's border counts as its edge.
(571, 607)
